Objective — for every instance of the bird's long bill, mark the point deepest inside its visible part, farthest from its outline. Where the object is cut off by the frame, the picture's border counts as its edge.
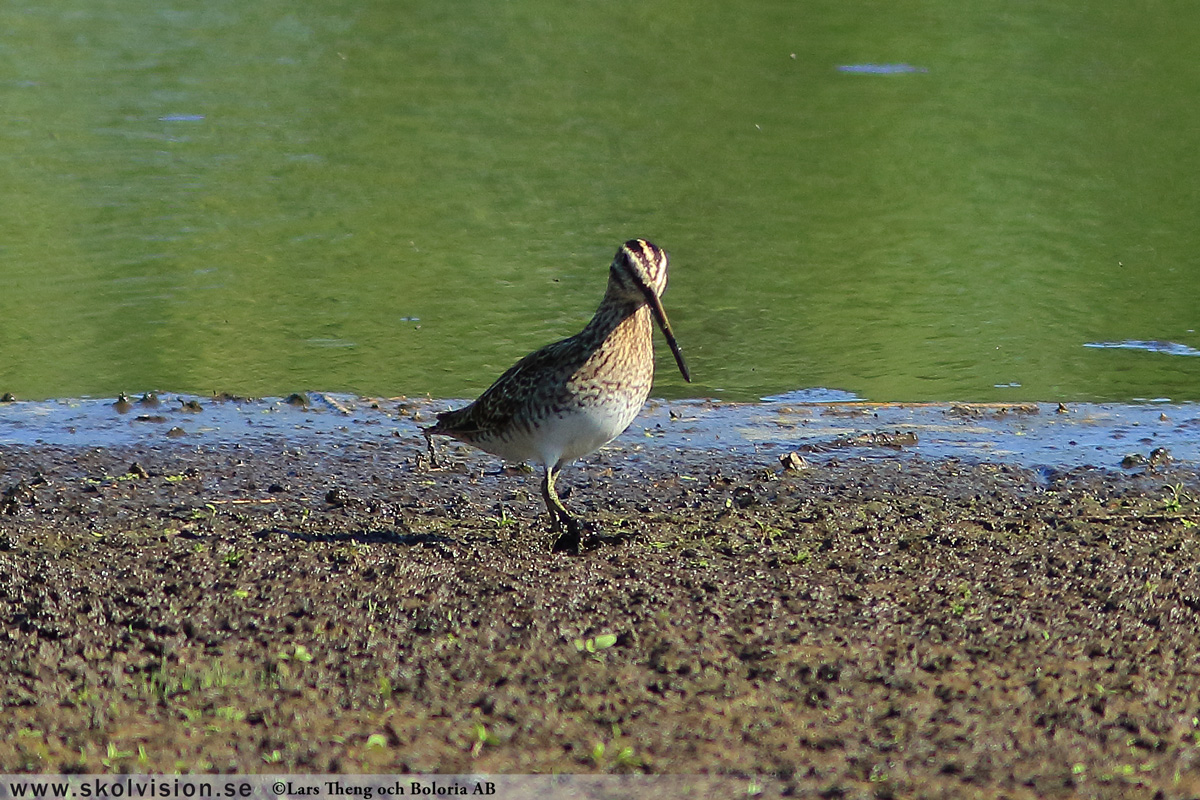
(660, 317)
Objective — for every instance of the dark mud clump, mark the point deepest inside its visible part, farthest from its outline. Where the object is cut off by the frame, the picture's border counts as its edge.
(851, 628)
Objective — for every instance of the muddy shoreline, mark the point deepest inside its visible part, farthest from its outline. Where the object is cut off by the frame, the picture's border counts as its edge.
(853, 626)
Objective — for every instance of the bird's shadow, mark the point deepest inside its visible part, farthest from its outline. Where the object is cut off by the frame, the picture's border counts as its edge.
(361, 537)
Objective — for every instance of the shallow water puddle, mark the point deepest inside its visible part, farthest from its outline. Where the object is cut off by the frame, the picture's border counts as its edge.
(1033, 435)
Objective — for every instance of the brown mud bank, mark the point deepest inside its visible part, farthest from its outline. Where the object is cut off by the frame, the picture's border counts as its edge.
(853, 627)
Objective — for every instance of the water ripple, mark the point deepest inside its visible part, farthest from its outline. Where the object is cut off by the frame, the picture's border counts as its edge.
(1153, 346)
(881, 69)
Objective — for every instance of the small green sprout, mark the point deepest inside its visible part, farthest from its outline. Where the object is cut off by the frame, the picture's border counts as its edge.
(482, 737)
(594, 645)
(299, 653)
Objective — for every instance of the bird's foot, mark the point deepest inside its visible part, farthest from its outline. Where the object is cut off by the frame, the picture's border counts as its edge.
(569, 542)
(575, 539)
(429, 459)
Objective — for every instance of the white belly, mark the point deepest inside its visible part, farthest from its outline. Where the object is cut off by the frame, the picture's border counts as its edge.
(562, 437)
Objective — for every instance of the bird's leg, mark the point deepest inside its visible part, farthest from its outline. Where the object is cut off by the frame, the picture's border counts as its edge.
(553, 504)
(558, 512)
(430, 453)
(569, 541)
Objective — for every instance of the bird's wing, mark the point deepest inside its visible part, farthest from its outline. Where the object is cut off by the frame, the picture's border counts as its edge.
(523, 383)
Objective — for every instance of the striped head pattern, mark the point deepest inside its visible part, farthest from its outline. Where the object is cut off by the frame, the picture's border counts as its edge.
(639, 273)
(639, 266)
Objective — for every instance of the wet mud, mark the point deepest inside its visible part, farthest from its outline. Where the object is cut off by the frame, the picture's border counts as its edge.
(828, 623)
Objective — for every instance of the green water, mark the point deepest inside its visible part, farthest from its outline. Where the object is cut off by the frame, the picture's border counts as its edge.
(404, 197)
